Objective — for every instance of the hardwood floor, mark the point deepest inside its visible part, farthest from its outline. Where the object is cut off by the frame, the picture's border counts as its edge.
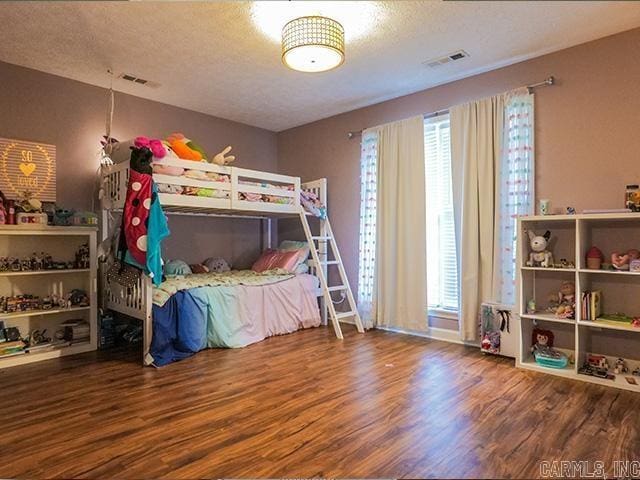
(307, 405)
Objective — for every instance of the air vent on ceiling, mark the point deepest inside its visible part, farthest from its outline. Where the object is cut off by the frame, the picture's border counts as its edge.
(452, 57)
(140, 81)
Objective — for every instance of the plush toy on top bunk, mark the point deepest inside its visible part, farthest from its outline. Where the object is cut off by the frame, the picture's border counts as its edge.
(186, 149)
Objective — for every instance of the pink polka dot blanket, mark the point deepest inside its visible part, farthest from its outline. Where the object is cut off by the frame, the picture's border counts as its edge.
(143, 222)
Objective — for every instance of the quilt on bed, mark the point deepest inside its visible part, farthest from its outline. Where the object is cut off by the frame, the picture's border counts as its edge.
(228, 313)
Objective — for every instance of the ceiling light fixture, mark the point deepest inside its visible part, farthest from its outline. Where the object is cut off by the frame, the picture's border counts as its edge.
(313, 44)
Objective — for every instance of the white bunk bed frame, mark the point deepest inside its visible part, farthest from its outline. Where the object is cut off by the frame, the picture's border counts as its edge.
(137, 302)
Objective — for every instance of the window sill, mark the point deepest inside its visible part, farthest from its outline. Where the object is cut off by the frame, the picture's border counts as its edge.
(445, 314)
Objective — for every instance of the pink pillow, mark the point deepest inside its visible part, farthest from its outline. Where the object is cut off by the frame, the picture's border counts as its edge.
(271, 259)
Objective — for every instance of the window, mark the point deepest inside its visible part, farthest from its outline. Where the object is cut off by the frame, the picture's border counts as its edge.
(368, 212)
(442, 261)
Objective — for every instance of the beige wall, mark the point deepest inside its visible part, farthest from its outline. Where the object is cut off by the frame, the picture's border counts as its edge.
(587, 132)
(71, 115)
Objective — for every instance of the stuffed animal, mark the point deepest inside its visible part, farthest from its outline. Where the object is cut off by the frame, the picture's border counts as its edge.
(567, 293)
(62, 217)
(217, 265)
(619, 261)
(153, 144)
(539, 256)
(185, 148)
(541, 339)
(221, 158)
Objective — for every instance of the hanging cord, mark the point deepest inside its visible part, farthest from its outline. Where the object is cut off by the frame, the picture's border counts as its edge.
(107, 149)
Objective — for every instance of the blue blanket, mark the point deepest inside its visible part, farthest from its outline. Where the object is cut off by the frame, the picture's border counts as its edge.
(179, 328)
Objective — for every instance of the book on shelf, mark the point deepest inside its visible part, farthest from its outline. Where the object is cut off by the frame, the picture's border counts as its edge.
(591, 305)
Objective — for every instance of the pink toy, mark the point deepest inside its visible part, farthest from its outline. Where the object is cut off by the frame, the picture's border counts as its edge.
(594, 258)
(620, 262)
(155, 145)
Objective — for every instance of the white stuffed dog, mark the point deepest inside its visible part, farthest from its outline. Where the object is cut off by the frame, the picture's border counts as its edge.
(539, 255)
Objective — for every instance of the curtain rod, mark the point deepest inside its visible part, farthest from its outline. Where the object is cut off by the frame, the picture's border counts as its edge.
(550, 80)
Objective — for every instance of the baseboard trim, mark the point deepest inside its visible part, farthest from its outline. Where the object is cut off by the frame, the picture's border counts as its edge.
(434, 333)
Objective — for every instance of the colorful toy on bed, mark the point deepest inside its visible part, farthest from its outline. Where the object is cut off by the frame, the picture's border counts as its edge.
(312, 204)
(185, 148)
(176, 267)
(222, 159)
(153, 144)
(216, 265)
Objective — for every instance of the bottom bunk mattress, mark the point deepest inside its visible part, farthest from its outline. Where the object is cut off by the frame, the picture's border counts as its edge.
(229, 311)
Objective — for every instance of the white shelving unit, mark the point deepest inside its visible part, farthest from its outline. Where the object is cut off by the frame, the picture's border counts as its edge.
(61, 243)
(571, 238)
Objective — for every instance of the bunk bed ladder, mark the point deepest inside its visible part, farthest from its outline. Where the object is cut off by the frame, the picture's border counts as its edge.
(318, 246)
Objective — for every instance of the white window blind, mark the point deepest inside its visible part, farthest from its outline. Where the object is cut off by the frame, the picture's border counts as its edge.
(442, 262)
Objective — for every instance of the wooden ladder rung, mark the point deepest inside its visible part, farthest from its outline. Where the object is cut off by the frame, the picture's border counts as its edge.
(322, 238)
(337, 288)
(327, 262)
(344, 315)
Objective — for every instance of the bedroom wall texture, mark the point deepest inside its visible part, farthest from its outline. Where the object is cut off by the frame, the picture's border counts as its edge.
(71, 115)
(587, 132)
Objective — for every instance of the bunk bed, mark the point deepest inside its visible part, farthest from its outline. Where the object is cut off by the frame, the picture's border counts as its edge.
(204, 189)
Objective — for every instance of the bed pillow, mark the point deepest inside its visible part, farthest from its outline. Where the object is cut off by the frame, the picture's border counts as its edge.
(271, 259)
(301, 247)
(198, 268)
(216, 264)
(176, 267)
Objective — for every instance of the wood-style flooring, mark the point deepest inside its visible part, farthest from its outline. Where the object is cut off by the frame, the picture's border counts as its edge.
(307, 405)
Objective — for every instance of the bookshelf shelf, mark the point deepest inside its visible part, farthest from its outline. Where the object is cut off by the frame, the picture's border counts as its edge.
(61, 243)
(547, 317)
(572, 236)
(45, 272)
(609, 324)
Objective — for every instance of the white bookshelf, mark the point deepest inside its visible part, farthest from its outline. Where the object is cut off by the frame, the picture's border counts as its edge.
(61, 243)
(571, 237)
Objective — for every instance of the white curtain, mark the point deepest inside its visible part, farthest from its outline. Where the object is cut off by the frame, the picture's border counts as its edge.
(516, 185)
(476, 144)
(368, 200)
(400, 299)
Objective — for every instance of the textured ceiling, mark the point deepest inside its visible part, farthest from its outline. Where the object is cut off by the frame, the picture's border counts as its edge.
(211, 57)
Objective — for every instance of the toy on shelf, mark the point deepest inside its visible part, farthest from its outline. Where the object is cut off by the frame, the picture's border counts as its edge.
(84, 219)
(571, 211)
(30, 211)
(596, 366)
(620, 366)
(563, 303)
(632, 198)
(83, 258)
(543, 351)
(539, 255)
(62, 217)
(222, 159)
(531, 306)
(42, 261)
(621, 261)
(564, 263)
(594, 258)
